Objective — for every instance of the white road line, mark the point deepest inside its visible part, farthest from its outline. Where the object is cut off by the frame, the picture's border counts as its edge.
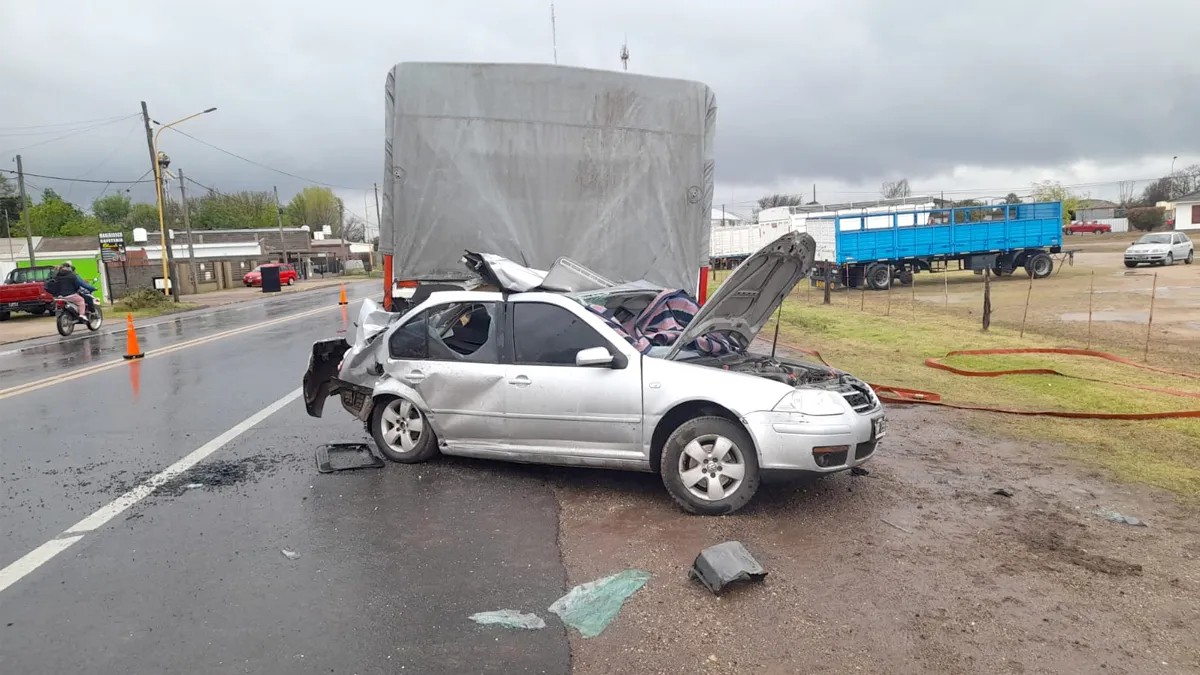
(44, 553)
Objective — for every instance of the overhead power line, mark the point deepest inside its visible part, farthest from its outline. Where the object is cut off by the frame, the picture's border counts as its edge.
(81, 180)
(3, 130)
(74, 132)
(264, 166)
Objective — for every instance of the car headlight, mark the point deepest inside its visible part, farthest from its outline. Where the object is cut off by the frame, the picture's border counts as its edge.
(817, 402)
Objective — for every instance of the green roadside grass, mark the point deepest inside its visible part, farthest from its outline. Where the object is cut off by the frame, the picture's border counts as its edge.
(891, 350)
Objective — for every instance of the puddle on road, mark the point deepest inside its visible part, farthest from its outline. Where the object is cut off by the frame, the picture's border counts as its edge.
(1127, 317)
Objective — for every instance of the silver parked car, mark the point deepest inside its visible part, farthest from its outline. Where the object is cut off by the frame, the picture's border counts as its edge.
(549, 375)
(1161, 248)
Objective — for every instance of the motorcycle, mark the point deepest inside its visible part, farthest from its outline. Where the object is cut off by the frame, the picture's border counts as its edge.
(67, 315)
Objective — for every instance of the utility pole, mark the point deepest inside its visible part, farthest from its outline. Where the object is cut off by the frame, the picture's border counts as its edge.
(279, 219)
(553, 33)
(378, 228)
(25, 213)
(168, 257)
(342, 233)
(187, 227)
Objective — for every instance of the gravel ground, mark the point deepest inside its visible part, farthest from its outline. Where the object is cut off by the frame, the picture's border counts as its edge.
(915, 568)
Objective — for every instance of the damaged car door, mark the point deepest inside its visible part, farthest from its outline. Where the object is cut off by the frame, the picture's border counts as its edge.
(573, 395)
(450, 355)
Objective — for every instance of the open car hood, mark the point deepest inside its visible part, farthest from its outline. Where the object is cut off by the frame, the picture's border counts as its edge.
(752, 293)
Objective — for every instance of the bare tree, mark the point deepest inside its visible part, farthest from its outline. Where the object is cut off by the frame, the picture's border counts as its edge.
(773, 200)
(354, 230)
(1125, 189)
(895, 189)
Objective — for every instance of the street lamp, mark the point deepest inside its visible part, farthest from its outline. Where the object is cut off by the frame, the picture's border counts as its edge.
(160, 160)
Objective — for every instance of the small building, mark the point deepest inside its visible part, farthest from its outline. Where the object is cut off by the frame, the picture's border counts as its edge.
(1095, 209)
(1187, 211)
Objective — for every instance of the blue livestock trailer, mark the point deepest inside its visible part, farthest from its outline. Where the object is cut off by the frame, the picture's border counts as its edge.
(878, 247)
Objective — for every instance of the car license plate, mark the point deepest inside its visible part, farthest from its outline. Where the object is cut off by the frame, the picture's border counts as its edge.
(878, 427)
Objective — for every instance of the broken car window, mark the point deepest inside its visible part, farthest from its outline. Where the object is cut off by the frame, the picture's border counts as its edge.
(549, 335)
(463, 331)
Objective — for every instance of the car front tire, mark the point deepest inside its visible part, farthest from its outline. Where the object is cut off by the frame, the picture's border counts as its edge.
(401, 431)
(709, 466)
(1170, 260)
(1130, 264)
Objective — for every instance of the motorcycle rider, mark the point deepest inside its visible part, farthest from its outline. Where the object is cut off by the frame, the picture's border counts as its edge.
(67, 284)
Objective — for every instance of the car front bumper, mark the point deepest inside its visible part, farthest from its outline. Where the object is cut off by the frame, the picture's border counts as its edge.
(1145, 257)
(786, 440)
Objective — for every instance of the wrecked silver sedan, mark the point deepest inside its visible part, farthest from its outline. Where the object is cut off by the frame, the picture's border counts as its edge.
(564, 367)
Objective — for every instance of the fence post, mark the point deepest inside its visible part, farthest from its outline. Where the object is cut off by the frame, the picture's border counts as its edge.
(828, 279)
(1028, 295)
(1150, 319)
(946, 281)
(987, 298)
(891, 282)
(1091, 295)
(913, 282)
(862, 297)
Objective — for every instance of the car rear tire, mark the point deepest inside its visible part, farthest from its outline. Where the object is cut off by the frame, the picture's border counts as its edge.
(38, 311)
(1191, 256)
(291, 281)
(709, 466)
(411, 439)
(1130, 264)
(5, 316)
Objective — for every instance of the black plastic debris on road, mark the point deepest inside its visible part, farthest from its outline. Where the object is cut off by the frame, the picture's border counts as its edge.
(718, 566)
(1003, 492)
(346, 456)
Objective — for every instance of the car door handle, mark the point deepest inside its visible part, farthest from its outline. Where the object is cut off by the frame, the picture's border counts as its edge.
(520, 381)
(415, 376)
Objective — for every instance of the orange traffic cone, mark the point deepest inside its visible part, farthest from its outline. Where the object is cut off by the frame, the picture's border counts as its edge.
(132, 350)
(342, 300)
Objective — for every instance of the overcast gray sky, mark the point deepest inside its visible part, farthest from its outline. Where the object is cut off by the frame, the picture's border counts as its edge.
(954, 94)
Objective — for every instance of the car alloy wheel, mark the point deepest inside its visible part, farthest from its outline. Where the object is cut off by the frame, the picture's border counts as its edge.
(712, 467)
(402, 432)
(709, 466)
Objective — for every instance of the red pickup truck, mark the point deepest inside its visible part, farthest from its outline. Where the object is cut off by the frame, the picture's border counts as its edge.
(22, 292)
(1084, 228)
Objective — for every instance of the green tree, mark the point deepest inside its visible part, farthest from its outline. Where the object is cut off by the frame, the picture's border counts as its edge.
(1053, 191)
(1012, 198)
(239, 210)
(773, 200)
(112, 210)
(48, 217)
(84, 225)
(10, 202)
(316, 207)
(142, 215)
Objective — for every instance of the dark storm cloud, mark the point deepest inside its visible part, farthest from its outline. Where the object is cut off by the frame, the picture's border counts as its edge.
(850, 90)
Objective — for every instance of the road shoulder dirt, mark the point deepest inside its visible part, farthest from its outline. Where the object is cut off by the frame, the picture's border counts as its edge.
(969, 581)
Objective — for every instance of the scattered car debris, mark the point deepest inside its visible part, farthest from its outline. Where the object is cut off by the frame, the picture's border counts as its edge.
(509, 618)
(590, 607)
(902, 529)
(193, 486)
(290, 555)
(1003, 492)
(1109, 514)
(859, 471)
(718, 566)
(346, 456)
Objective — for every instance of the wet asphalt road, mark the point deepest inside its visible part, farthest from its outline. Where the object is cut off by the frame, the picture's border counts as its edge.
(192, 579)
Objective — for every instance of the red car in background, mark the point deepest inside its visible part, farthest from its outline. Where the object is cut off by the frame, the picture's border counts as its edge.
(287, 275)
(22, 292)
(1087, 228)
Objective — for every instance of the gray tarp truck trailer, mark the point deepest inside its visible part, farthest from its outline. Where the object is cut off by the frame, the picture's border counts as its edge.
(536, 162)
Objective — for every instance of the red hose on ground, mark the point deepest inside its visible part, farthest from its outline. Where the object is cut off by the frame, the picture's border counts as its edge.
(889, 394)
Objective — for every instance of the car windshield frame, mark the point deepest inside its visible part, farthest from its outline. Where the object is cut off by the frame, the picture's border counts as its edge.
(1153, 238)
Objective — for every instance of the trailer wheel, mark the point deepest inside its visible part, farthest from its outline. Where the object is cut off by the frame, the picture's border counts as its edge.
(905, 276)
(1039, 265)
(879, 277)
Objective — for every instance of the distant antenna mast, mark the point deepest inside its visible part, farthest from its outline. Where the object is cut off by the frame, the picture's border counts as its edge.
(553, 33)
(625, 54)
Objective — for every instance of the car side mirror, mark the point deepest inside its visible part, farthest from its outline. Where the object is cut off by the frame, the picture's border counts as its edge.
(595, 356)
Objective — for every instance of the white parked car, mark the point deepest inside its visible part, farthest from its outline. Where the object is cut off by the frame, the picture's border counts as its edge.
(1160, 248)
(566, 376)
